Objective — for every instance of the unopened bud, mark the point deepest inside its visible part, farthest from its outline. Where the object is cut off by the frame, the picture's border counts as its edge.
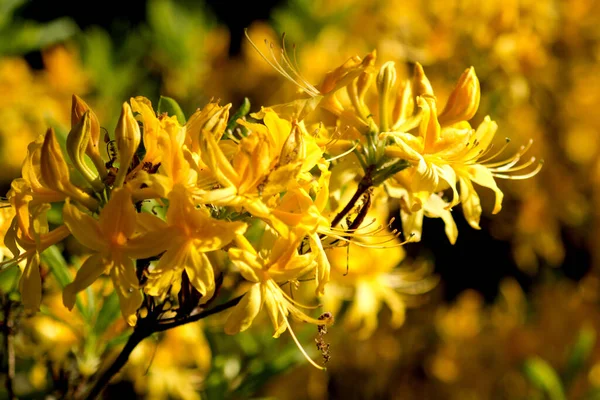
(78, 109)
(128, 137)
(463, 101)
(386, 79)
(77, 143)
(55, 172)
(421, 85)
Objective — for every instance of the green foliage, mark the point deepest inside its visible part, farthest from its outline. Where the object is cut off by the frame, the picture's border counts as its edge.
(20, 36)
(543, 376)
(170, 106)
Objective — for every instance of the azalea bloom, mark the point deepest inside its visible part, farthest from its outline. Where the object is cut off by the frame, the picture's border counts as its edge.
(187, 235)
(115, 245)
(265, 272)
(27, 237)
(445, 150)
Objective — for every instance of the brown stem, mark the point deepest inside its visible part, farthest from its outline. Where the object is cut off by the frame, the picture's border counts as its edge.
(136, 337)
(365, 183)
(161, 327)
(147, 327)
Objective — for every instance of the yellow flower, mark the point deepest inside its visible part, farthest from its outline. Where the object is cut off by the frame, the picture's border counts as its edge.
(281, 264)
(446, 150)
(114, 242)
(188, 235)
(29, 231)
(264, 164)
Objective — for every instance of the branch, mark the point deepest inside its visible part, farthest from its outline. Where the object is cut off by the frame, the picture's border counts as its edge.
(196, 317)
(147, 327)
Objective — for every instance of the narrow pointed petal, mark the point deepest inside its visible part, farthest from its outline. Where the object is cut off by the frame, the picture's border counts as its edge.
(118, 217)
(85, 228)
(91, 269)
(471, 204)
(30, 284)
(245, 311)
(482, 176)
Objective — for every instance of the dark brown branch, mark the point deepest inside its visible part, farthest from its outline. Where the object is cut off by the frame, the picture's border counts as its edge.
(161, 327)
(365, 183)
(145, 328)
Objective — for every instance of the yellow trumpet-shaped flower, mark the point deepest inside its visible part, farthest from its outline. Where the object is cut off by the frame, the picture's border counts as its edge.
(29, 232)
(445, 150)
(282, 264)
(265, 163)
(115, 245)
(188, 235)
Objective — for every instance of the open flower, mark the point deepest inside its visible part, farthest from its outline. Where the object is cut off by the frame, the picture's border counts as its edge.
(265, 272)
(115, 245)
(188, 235)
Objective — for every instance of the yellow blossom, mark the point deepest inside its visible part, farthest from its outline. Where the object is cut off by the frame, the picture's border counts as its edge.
(266, 272)
(188, 234)
(115, 244)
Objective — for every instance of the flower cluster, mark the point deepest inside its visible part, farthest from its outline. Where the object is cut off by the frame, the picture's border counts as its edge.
(168, 208)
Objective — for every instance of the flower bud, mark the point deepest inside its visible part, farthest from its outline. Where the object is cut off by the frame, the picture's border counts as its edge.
(386, 79)
(77, 143)
(463, 101)
(78, 108)
(128, 137)
(421, 85)
(55, 172)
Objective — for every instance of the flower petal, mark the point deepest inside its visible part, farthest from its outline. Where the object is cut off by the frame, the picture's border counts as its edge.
(200, 271)
(118, 217)
(91, 269)
(30, 284)
(85, 228)
(245, 311)
(482, 176)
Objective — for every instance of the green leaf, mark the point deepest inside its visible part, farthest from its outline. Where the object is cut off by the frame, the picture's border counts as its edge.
(543, 376)
(580, 353)
(109, 312)
(59, 269)
(242, 111)
(170, 106)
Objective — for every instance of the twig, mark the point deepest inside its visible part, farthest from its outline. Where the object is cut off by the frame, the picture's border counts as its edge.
(145, 328)
(365, 183)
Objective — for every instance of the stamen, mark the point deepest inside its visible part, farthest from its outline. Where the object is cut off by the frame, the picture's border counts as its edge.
(287, 323)
(299, 81)
(507, 168)
(520, 177)
(485, 153)
(342, 154)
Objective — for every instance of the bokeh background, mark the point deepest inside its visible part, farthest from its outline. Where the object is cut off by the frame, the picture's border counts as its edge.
(517, 309)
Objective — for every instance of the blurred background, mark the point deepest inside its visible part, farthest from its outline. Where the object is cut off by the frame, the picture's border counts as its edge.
(517, 309)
